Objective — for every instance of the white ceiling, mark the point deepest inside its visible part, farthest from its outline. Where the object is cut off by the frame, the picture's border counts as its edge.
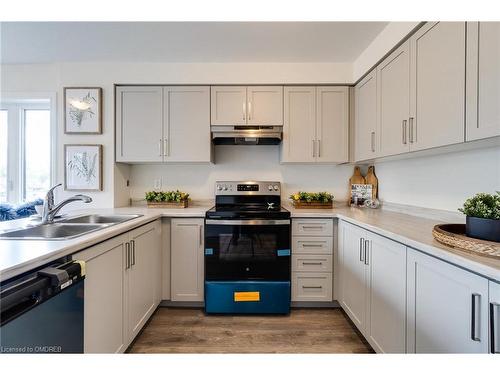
(47, 42)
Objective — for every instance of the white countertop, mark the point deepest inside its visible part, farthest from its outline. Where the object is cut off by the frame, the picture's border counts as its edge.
(18, 256)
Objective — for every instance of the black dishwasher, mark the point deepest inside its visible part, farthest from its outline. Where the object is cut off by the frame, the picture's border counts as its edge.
(42, 311)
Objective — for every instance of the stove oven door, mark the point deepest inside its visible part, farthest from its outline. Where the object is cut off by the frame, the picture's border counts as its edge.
(247, 250)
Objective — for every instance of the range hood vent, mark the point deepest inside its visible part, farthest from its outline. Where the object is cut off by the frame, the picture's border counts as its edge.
(246, 135)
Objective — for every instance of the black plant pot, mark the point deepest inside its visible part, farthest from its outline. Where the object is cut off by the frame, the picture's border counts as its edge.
(484, 229)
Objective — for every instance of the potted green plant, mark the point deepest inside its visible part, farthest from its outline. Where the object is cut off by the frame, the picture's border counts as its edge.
(167, 199)
(483, 216)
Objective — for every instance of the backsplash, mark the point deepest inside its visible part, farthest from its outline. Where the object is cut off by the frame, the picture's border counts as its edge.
(240, 163)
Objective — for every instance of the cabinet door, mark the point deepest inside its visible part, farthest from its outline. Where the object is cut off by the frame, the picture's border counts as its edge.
(142, 276)
(393, 80)
(447, 307)
(265, 105)
(299, 130)
(365, 118)
(104, 289)
(187, 260)
(387, 294)
(494, 321)
(332, 124)
(229, 105)
(187, 123)
(483, 80)
(139, 118)
(353, 274)
(438, 85)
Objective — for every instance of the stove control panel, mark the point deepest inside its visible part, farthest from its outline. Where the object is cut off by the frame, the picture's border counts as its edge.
(247, 188)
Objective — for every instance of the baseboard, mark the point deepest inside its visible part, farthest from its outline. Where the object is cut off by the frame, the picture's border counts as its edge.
(182, 304)
(312, 304)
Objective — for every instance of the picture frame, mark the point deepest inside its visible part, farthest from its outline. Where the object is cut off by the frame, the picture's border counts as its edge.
(83, 167)
(82, 110)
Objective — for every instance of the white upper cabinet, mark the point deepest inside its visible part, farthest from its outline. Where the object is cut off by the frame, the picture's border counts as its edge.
(155, 124)
(247, 105)
(332, 124)
(437, 102)
(447, 307)
(265, 105)
(365, 117)
(316, 124)
(299, 131)
(393, 79)
(483, 80)
(228, 105)
(187, 124)
(139, 124)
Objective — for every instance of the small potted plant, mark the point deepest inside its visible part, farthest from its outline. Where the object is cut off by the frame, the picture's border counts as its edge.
(312, 200)
(483, 216)
(167, 199)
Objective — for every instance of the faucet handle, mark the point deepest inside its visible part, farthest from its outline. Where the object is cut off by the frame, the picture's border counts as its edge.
(49, 197)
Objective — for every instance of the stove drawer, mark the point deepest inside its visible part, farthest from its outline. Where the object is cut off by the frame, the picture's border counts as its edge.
(312, 286)
(312, 227)
(312, 245)
(311, 263)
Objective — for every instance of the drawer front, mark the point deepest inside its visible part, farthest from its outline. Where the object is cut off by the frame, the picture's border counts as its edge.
(308, 286)
(311, 263)
(312, 245)
(312, 227)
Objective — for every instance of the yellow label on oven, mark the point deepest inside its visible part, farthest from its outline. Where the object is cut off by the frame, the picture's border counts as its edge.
(246, 296)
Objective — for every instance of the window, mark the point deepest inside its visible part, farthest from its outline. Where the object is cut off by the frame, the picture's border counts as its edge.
(25, 150)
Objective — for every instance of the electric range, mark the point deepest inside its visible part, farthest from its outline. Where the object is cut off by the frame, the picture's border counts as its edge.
(247, 249)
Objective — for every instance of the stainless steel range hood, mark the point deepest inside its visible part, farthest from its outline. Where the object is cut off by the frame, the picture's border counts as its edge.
(246, 135)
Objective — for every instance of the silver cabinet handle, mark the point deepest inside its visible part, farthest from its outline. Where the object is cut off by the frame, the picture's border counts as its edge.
(403, 131)
(474, 330)
(366, 251)
(411, 130)
(495, 327)
(165, 147)
(244, 111)
(249, 110)
(319, 148)
(201, 236)
(127, 255)
(311, 287)
(312, 263)
(314, 148)
(311, 245)
(312, 227)
(160, 150)
(133, 252)
(361, 254)
(372, 140)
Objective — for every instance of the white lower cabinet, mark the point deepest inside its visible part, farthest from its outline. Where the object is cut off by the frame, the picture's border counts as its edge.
(121, 292)
(447, 307)
(187, 260)
(494, 320)
(373, 286)
(312, 260)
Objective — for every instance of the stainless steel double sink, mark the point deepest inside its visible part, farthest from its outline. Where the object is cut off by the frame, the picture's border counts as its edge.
(67, 228)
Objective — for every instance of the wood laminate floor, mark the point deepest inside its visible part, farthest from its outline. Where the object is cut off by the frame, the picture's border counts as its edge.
(189, 330)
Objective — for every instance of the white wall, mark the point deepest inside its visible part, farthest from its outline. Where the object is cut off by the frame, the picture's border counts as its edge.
(241, 163)
(440, 181)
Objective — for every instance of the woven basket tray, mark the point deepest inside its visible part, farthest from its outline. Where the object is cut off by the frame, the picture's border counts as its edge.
(310, 205)
(454, 235)
(181, 204)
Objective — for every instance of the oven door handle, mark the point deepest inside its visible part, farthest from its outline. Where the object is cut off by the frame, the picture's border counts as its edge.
(247, 222)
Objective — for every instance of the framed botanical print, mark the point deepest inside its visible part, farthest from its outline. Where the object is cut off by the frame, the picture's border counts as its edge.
(83, 110)
(83, 167)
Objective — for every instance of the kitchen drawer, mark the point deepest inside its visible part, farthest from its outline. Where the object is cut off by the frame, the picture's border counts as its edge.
(308, 286)
(311, 263)
(312, 245)
(312, 227)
